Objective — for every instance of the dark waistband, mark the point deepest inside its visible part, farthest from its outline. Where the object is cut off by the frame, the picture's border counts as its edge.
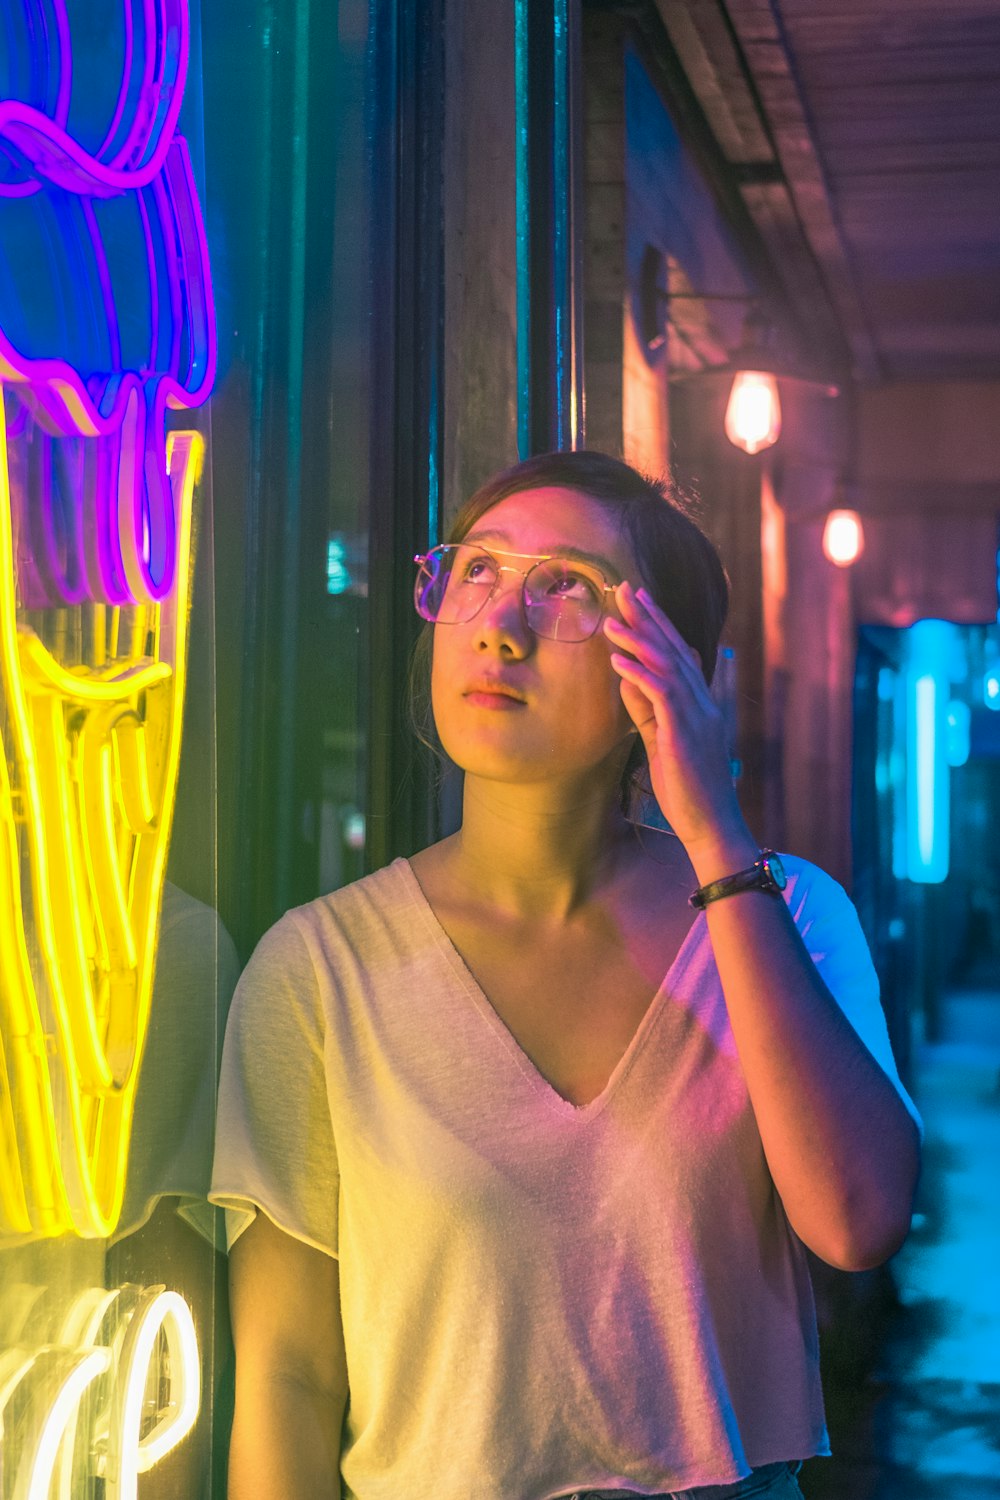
(737, 1489)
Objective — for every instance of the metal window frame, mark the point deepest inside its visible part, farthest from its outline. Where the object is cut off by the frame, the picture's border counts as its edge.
(549, 166)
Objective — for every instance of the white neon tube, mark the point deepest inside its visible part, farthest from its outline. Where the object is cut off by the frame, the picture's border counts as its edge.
(15, 1364)
(80, 1329)
(130, 1455)
(60, 1419)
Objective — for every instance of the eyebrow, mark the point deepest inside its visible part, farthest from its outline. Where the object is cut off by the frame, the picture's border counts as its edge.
(560, 549)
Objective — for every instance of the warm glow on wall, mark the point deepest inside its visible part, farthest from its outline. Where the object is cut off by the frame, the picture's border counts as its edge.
(753, 416)
(843, 537)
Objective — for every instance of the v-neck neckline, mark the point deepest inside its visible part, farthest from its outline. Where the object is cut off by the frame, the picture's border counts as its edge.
(526, 1064)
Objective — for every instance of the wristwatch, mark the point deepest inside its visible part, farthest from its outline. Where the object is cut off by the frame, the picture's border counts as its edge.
(768, 874)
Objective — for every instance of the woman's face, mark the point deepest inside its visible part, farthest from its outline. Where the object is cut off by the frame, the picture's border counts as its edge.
(573, 719)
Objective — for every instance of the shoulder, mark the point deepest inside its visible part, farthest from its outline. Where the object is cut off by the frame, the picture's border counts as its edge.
(372, 898)
(828, 922)
(811, 892)
(822, 908)
(333, 941)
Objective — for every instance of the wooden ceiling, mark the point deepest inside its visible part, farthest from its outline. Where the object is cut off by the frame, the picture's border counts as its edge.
(866, 138)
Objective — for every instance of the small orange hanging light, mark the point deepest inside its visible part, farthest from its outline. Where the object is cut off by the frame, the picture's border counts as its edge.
(753, 412)
(843, 538)
(753, 415)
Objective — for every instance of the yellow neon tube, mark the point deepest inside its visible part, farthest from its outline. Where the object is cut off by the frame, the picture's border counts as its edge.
(95, 765)
(109, 685)
(95, 753)
(34, 1142)
(131, 778)
(12, 1200)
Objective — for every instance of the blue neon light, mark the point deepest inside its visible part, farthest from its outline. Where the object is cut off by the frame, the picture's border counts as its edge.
(338, 579)
(925, 690)
(928, 779)
(959, 721)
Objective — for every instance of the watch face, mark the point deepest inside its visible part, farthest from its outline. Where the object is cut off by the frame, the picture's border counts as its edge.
(776, 870)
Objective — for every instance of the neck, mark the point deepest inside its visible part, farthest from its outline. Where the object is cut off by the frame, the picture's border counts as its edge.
(537, 853)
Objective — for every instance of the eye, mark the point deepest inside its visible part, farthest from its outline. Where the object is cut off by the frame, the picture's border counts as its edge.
(476, 567)
(567, 583)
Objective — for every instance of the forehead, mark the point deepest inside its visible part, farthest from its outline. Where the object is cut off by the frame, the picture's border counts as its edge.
(550, 519)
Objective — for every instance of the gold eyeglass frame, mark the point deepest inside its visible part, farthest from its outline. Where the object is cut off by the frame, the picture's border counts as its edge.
(493, 553)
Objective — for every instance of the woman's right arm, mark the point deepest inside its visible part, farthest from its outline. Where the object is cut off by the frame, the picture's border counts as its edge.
(291, 1370)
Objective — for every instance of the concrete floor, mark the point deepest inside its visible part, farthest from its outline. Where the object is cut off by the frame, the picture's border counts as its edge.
(912, 1355)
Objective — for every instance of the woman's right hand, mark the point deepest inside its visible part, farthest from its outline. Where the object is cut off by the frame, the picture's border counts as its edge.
(291, 1369)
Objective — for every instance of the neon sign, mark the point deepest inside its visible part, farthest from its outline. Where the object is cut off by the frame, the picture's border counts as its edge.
(122, 327)
(130, 1358)
(106, 323)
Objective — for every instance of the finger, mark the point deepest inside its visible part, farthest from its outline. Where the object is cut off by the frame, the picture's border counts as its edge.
(658, 650)
(626, 599)
(649, 605)
(649, 647)
(687, 654)
(651, 684)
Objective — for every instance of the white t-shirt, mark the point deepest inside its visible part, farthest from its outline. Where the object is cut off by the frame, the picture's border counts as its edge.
(536, 1297)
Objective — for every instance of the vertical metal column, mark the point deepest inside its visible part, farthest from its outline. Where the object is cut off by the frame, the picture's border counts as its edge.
(405, 459)
(549, 225)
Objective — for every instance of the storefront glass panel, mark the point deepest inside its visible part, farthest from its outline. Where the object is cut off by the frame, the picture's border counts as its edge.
(184, 458)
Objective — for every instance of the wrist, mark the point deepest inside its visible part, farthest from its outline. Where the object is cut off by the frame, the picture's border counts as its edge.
(723, 854)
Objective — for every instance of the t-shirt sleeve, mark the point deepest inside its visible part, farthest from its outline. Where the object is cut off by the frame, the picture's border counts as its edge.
(274, 1144)
(831, 930)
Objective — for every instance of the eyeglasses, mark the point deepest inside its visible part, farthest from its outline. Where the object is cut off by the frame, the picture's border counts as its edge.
(562, 598)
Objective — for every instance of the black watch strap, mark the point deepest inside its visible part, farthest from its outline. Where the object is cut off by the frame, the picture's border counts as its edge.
(766, 875)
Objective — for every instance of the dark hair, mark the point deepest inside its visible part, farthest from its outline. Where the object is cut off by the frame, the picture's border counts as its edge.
(678, 565)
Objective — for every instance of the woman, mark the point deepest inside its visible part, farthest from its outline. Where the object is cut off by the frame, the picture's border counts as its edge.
(536, 1144)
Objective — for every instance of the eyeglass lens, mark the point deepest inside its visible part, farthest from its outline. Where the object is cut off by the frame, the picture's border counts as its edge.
(563, 598)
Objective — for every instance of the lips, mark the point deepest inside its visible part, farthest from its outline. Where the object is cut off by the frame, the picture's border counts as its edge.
(496, 686)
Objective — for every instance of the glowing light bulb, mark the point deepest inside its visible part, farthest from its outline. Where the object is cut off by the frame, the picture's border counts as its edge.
(753, 416)
(991, 690)
(843, 537)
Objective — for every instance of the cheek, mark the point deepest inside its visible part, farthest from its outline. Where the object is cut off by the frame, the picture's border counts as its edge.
(439, 674)
(591, 689)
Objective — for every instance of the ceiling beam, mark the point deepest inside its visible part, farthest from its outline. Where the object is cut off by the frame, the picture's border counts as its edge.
(758, 30)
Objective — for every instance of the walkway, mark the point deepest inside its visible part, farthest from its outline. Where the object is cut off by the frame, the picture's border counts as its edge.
(912, 1365)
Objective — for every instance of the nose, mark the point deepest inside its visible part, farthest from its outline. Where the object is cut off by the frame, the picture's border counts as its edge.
(504, 609)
